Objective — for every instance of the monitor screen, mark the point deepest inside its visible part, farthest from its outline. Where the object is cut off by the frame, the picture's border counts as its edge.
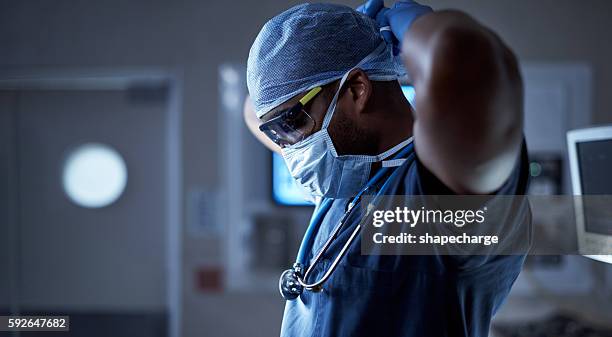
(284, 188)
(408, 91)
(595, 163)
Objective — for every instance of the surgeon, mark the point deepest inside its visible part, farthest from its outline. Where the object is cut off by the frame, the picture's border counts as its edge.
(324, 89)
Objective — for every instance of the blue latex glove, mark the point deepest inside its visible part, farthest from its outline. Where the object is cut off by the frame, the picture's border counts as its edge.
(402, 15)
(376, 10)
(398, 18)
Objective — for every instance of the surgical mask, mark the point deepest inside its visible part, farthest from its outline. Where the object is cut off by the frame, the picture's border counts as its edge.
(315, 164)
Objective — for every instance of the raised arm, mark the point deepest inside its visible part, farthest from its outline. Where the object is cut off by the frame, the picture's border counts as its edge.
(469, 100)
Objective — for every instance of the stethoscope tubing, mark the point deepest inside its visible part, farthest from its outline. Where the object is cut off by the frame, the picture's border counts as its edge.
(317, 219)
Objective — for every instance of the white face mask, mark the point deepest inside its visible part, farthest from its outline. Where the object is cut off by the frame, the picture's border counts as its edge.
(315, 164)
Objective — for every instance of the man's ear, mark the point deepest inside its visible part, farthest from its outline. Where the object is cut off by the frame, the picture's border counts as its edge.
(358, 91)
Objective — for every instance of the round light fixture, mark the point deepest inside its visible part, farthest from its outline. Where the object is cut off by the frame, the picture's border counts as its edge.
(94, 175)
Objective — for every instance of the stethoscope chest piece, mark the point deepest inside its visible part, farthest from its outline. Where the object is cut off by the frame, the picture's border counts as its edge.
(289, 285)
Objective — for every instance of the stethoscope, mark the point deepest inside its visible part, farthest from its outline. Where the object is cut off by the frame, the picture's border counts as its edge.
(293, 281)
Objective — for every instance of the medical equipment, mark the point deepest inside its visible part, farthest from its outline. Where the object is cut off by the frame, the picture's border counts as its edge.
(590, 159)
(285, 190)
(293, 281)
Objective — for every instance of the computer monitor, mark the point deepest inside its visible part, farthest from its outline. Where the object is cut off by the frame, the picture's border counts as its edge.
(590, 159)
(408, 91)
(285, 192)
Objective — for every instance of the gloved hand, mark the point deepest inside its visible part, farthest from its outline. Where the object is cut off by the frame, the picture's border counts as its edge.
(398, 18)
(376, 10)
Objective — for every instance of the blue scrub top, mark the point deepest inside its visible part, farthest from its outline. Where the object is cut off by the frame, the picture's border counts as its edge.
(406, 295)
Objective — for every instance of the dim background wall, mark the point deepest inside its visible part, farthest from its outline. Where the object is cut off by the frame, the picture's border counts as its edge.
(197, 36)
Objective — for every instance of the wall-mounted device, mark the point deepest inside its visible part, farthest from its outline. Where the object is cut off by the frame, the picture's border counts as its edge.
(546, 171)
(285, 191)
(590, 158)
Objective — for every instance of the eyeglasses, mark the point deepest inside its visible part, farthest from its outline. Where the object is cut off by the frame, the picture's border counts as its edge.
(291, 125)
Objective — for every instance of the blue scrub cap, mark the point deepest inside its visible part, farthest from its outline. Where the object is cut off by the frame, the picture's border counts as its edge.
(311, 45)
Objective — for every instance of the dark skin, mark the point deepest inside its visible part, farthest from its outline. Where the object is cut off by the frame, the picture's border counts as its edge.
(467, 123)
(469, 115)
(363, 111)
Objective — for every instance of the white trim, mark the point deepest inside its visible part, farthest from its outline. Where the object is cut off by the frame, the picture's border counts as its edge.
(232, 92)
(174, 180)
(601, 258)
